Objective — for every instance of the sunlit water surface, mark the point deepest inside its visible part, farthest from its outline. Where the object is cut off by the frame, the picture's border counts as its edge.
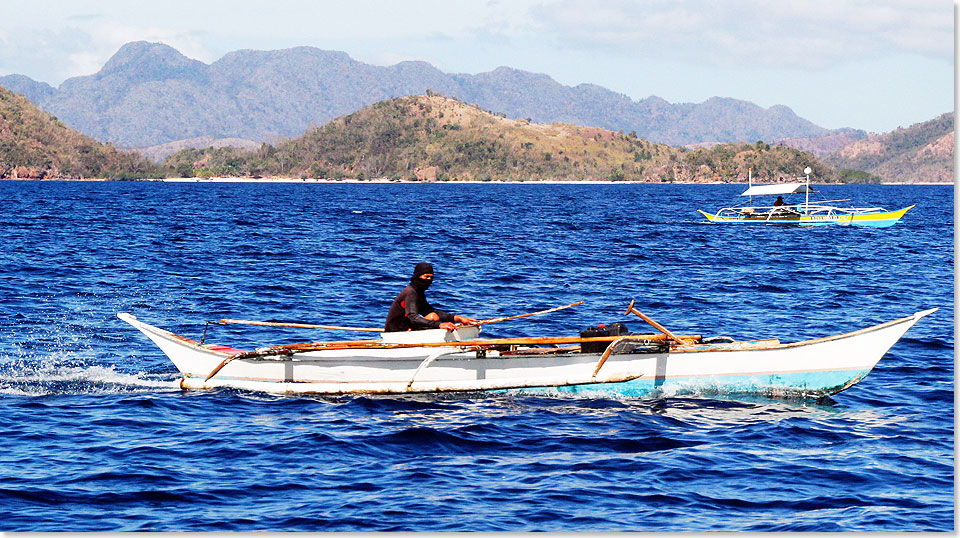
(97, 436)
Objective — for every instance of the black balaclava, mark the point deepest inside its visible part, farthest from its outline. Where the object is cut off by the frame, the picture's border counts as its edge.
(418, 283)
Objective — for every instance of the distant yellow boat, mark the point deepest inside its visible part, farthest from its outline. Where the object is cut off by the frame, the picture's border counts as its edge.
(805, 213)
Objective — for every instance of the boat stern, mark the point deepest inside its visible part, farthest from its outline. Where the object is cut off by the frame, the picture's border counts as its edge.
(710, 217)
(189, 356)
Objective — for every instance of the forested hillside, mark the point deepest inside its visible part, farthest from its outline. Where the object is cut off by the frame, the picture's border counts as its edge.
(36, 145)
(921, 152)
(433, 137)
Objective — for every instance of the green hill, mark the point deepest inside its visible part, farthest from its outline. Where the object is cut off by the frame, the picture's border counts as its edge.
(433, 137)
(35, 145)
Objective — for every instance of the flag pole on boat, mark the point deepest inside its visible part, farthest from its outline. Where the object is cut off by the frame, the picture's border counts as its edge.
(806, 208)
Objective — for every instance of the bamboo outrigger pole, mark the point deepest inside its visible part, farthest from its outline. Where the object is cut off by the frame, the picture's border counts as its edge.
(290, 349)
(302, 325)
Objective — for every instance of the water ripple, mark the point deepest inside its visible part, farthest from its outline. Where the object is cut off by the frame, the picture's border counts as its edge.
(99, 437)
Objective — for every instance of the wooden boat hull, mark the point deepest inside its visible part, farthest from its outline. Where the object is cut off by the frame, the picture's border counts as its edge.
(812, 368)
(882, 219)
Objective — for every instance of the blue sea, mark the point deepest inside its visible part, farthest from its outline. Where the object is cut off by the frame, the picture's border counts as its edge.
(96, 434)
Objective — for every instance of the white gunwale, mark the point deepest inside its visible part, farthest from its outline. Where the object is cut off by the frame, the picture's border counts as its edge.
(816, 367)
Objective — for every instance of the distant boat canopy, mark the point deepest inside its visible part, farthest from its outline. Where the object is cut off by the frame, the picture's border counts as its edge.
(817, 213)
(779, 188)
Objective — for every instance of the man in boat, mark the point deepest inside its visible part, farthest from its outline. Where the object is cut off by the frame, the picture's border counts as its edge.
(779, 201)
(411, 311)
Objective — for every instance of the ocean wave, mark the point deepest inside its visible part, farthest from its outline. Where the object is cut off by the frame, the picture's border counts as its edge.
(31, 379)
(99, 436)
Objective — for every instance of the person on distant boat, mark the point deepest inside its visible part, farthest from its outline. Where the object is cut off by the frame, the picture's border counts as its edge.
(411, 311)
(779, 201)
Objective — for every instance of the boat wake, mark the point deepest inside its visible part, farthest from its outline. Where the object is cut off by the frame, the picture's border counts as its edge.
(32, 379)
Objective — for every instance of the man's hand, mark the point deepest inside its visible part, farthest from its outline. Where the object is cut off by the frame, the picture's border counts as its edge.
(448, 326)
(465, 320)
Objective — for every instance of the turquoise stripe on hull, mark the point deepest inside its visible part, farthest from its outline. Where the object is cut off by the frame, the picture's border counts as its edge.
(881, 219)
(886, 223)
(806, 384)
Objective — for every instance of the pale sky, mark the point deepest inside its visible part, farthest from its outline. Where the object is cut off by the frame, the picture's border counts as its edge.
(869, 64)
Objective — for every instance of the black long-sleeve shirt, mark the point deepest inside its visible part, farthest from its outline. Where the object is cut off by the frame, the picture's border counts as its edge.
(407, 312)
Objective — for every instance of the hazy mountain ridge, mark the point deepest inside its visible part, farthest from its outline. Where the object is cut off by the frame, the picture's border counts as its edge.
(822, 146)
(161, 151)
(149, 94)
(36, 92)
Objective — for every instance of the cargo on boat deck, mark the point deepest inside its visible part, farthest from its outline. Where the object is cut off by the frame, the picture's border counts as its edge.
(611, 329)
(620, 329)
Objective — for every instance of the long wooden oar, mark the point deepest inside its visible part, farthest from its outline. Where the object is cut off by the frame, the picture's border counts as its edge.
(302, 325)
(505, 318)
(380, 329)
(661, 328)
(290, 348)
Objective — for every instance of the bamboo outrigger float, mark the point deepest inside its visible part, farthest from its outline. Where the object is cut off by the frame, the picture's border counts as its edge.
(440, 361)
(818, 213)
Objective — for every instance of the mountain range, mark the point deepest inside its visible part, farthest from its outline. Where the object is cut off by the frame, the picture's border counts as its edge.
(430, 137)
(437, 138)
(149, 94)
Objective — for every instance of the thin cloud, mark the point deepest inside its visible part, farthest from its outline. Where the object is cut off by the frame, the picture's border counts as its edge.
(83, 63)
(104, 40)
(84, 17)
(808, 34)
(54, 55)
(110, 37)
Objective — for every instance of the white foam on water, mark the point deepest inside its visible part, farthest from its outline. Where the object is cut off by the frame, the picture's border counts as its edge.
(23, 378)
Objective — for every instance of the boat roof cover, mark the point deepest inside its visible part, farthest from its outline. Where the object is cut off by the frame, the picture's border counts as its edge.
(776, 188)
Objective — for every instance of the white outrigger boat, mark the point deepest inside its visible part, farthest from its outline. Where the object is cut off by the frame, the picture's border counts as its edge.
(805, 213)
(440, 361)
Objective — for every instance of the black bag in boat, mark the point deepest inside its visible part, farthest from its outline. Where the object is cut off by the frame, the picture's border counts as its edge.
(611, 329)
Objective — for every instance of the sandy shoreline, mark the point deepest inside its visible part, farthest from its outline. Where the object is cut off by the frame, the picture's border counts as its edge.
(432, 182)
